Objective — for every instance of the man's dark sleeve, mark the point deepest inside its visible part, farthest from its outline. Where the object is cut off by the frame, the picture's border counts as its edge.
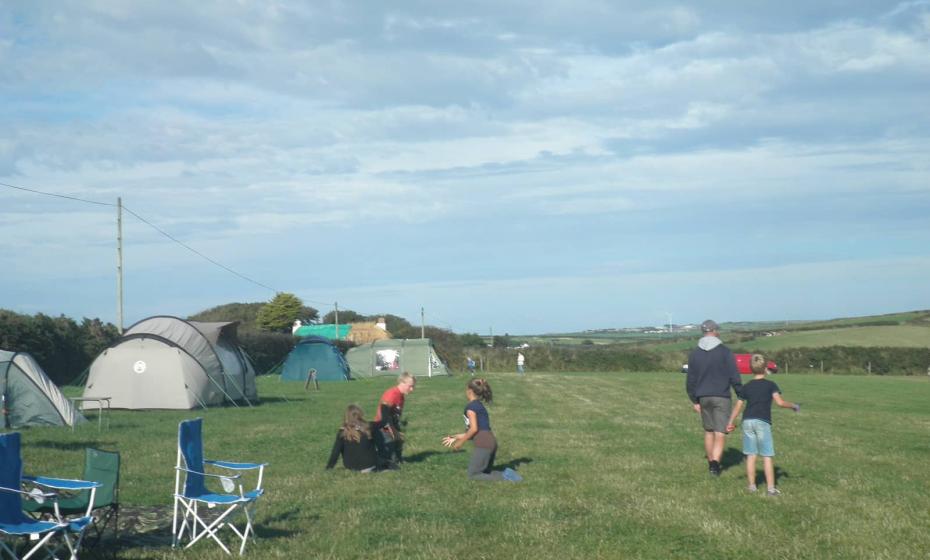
(337, 450)
(691, 379)
(735, 381)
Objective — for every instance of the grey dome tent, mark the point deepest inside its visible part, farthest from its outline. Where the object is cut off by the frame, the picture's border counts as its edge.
(167, 362)
(29, 398)
(393, 356)
(317, 353)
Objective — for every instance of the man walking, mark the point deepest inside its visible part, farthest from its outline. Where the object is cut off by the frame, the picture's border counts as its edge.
(711, 373)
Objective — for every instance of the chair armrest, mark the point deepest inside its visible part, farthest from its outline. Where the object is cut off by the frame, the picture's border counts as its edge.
(62, 483)
(232, 477)
(32, 495)
(236, 466)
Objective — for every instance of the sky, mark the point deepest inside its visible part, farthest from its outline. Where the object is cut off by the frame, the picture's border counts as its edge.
(507, 167)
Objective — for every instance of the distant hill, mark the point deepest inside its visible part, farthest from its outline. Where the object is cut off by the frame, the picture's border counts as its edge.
(244, 313)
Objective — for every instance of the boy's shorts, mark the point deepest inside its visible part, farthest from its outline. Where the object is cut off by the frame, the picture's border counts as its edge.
(757, 438)
(715, 413)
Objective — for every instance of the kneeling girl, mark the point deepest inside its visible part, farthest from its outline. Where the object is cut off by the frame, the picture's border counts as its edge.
(478, 429)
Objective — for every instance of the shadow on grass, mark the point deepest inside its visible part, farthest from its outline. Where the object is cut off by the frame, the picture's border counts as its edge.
(731, 458)
(513, 463)
(74, 445)
(421, 456)
(281, 399)
(149, 527)
(760, 475)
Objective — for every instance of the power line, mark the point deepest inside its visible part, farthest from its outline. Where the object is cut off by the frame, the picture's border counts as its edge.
(57, 195)
(161, 231)
(198, 253)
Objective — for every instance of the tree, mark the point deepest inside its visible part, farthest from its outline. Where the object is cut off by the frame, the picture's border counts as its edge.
(502, 341)
(280, 313)
(472, 340)
(345, 316)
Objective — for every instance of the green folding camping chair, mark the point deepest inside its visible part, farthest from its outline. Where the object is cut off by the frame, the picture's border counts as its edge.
(99, 466)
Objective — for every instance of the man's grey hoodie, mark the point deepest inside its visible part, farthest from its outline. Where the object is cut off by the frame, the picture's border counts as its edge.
(711, 370)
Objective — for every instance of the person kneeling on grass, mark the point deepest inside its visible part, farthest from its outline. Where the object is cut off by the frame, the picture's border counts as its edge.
(758, 395)
(355, 442)
(478, 429)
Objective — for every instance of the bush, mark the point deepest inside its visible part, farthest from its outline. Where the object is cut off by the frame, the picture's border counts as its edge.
(266, 350)
(62, 347)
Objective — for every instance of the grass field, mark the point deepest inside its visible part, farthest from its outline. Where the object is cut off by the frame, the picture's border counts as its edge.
(613, 468)
(894, 336)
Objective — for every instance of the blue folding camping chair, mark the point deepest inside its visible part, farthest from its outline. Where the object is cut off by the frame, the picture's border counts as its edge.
(189, 519)
(28, 536)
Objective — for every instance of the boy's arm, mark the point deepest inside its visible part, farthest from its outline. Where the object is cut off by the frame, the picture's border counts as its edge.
(736, 410)
(785, 404)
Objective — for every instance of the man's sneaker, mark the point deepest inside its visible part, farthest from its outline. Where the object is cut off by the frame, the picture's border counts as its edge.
(752, 488)
(512, 475)
(715, 469)
(773, 492)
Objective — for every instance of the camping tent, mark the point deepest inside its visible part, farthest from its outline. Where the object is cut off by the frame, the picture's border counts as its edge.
(318, 353)
(29, 396)
(167, 362)
(393, 356)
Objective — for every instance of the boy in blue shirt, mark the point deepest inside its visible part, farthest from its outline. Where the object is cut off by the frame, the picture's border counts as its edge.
(758, 395)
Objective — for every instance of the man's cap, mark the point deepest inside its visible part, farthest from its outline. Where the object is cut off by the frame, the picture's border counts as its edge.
(710, 326)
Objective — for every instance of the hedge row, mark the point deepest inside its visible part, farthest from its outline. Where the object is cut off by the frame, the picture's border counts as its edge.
(836, 359)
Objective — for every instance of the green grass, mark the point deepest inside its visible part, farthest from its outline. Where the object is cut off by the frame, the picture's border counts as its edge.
(894, 336)
(613, 468)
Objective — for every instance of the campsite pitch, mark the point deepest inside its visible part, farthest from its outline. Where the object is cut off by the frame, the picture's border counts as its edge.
(612, 467)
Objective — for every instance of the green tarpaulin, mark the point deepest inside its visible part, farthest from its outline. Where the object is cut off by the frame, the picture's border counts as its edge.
(326, 331)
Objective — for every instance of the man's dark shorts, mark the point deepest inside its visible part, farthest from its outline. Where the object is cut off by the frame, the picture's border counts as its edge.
(715, 412)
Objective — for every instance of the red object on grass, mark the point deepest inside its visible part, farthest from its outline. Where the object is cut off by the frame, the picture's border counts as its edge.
(742, 364)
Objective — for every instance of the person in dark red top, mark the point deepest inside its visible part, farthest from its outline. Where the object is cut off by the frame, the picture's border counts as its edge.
(390, 408)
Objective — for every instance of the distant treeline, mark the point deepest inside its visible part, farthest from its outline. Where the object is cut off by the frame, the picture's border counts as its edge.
(63, 347)
(876, 360)
(66, 348)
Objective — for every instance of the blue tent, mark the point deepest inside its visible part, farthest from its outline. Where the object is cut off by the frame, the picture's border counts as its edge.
(315, 352)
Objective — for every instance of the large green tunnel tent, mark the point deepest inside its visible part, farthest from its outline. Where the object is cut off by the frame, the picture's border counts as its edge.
(393, 356)
(165, 362)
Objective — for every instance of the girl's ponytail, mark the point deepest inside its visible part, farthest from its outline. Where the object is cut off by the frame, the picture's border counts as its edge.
(481, 388)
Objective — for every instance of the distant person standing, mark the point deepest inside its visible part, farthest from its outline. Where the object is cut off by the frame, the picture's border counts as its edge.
(470, 363)
(521, 360)
(711, 373)
(390, 407)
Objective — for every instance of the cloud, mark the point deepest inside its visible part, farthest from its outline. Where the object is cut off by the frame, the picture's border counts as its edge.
(501, 138)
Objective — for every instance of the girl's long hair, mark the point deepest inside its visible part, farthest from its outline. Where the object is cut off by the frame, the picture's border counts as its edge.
(482, 389)
(355, 424)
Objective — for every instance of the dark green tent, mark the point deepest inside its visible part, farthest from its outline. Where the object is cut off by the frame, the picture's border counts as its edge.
(316, 353)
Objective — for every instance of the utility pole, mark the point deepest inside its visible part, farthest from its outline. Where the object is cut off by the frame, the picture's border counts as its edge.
(336, 317)
(422, 323)
(119, 265)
